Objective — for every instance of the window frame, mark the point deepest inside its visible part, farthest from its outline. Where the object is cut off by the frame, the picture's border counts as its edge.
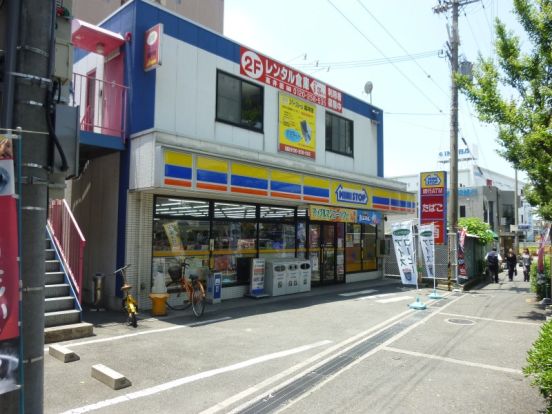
(352, 137)
(237, 124)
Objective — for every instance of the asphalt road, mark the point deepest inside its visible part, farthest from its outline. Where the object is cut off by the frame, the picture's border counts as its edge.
(354, 348)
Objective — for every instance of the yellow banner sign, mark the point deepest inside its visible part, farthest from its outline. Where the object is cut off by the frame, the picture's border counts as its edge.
(297, 127)
(342, 215)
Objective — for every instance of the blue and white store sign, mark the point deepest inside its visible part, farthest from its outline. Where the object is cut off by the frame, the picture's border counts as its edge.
(351, 195)
(369, 217)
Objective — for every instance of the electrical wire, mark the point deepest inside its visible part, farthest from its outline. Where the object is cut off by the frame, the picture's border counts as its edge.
(384, 55)
(368, 62)
(402, 47)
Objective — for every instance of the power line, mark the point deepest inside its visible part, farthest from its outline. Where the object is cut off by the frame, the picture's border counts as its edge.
(383, 54)
(401, 46)
(367, 62)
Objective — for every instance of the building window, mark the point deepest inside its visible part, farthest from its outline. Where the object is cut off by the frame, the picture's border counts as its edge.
(339, 135)
(239, 102)
(462, 211)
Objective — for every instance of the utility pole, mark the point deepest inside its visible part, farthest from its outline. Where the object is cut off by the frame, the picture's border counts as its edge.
(453, 43)
(516, 213)
(30, 81)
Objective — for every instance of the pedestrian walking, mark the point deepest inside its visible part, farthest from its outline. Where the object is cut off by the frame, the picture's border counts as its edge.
(526, 260)
(493, 258)
(511, 262)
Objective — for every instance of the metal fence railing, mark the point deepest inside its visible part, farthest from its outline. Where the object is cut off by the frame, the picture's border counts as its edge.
(69, 239)
(102, 103)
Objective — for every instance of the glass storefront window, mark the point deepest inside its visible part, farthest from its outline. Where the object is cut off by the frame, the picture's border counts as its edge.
(235, 211)
(369, 251)
(353, 247)
(270, 212)
(233, 241)
(165, 206)
(276, 240)
(301, 239)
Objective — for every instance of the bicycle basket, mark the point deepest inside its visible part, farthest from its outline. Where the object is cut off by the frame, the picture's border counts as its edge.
(175, 272)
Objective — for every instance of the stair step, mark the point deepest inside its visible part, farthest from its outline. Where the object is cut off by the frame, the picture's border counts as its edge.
(54, 278)
(67, 332)
(59, 303)
(53, 266)
(64, 317)
(48, 244)
(55, 290)
(50, 254)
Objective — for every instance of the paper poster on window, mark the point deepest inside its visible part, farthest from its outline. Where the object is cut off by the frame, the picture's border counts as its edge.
(297, 127)
(405, 252)
(173, 235)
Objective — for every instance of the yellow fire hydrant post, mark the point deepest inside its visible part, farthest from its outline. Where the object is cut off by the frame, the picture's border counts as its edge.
(159, 303)
(159, 295)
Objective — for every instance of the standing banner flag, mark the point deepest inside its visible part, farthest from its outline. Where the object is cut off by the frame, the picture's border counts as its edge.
(462, 271)
(540, 257)
(9, 271)
(427, 242)
(405, 252)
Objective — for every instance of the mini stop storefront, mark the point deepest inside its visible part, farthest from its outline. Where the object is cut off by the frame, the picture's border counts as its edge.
(219, 213)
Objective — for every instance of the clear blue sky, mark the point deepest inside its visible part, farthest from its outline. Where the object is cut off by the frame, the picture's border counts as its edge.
(412, 93)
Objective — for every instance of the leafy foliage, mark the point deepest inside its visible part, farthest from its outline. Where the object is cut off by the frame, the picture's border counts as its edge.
(539, 363)
(515, 94)
(478, 228)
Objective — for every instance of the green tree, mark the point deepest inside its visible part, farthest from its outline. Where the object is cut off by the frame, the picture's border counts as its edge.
(478, 228)
(515, 94)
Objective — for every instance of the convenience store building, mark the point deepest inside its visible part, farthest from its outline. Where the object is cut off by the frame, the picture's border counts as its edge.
(227, 155)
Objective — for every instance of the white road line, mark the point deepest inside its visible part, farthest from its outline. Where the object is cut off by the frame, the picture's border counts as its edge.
(357, 361)
(360, 292)
(150, 331)
(397, 299)
(333, 352)
(185, 380)
(383, 295)
(454, 361)
(492, 320)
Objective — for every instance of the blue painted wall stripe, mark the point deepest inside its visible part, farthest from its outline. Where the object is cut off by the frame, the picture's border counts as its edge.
(212, 177)
(175, 171)
(316, 191)
(285, 187)
(380, 200)
(243, 181)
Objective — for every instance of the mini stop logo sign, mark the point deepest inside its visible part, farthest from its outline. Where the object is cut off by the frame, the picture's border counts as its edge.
(252, 64)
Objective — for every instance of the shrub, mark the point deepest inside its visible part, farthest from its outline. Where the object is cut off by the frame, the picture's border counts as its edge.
(539, 363)
(542, 290)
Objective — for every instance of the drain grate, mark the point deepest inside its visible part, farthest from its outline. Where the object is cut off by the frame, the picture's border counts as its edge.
(291, 391)
(455, 321)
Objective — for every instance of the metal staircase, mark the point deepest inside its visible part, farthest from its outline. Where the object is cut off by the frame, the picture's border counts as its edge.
(62, 308)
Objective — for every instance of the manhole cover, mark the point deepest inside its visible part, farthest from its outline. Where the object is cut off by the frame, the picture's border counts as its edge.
(460, 321)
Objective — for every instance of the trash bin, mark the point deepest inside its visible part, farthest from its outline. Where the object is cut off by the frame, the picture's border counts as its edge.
(99, 281)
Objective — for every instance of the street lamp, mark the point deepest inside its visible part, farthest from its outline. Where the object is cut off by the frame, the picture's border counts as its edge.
(368, 89)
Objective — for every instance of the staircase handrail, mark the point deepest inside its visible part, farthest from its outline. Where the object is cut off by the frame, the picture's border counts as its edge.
(69, 240)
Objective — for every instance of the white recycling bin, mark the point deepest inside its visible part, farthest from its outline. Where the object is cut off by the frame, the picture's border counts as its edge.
(305, 274)
(275, 278)
(292, 279)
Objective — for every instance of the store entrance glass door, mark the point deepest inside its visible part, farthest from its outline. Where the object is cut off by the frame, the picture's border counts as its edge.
(328, 256)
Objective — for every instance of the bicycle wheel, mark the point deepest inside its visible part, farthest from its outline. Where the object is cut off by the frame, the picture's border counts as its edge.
(198, 300)
(132, 320)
